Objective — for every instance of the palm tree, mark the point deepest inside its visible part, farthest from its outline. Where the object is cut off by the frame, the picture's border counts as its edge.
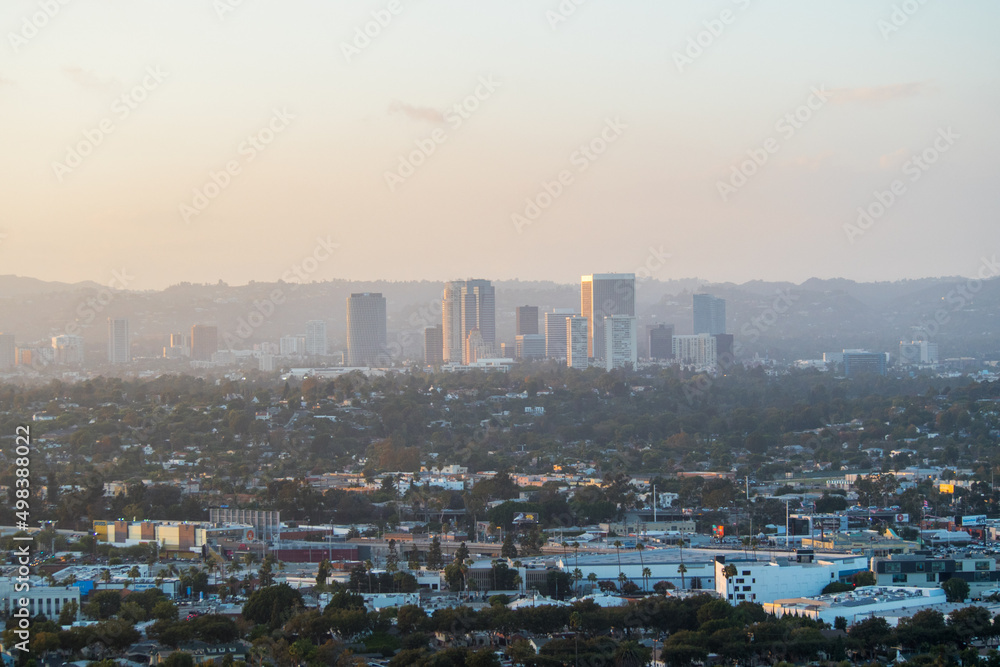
(618, 550)
(577, 577)
(729, 571)
(592, 579)
(630, 654)
(622, 579)
(682, 570)
(575, 620)
(106, 576)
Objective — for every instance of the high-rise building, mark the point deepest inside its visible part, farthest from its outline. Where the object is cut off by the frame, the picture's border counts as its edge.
(451, 322)
(603, 295)
(724, 347)
(67, 350)
(527, 320)
(857, 362)
(709, 314)
(698, 350)
(577, 339)
(476, 348)
(292, 346)
(8, 351)
(204, 342)
(119, 345)
(433, 346)
(918, 352)
(661, 341)
(529, 346)
(555, 332)
(316, 338)
(366, 330)
(479, 312)
(620, 341)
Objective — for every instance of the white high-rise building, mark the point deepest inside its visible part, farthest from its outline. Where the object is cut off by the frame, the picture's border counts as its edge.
(621, 346)
(119, 344)
(698, 350)
(604, 295)
(67, 350)
(292, 346)
(576, 341)
(316, 337)
(918, 352)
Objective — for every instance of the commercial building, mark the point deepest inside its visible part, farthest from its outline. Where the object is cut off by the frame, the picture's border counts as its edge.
(265, 523)
(858, 362)
(660, 340)
(603, 295)
(67, 350)
(530, 346)
(859, 604)
(433, 346)
(527, 321)
(769, 580)
(577, 341)
(709, 314)
(119, 344)
(698, 350)
(923, 570)
(555, 332)
(918, 352)
(467, 305)
(366, 330)
(204, 342)
(316, 342)
(292, 346)
(47, 600)
(620, 342)
(8, 351)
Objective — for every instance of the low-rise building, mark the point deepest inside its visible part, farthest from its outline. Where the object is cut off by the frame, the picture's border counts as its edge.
(769, 580)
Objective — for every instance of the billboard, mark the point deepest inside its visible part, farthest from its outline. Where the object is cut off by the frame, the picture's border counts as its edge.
(902, 518)
(946, 488)
(974, 520)
(526, 517)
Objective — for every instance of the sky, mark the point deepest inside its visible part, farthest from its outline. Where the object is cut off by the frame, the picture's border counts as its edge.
(734, 140)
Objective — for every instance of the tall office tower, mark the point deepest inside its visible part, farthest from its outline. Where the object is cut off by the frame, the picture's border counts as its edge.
(119, 345)
(8, 351)
(724, 347)
(476, 347)
(433, 346)
(527, 320)
(366, 330)
(292, 346)
(709, 314)
(577, 339)
(316, 337)
(529, 346)
(204, 342)
(451, 322)
(479, 312)
(603, 295)
(555, 332)
(620, 341)
(914, 352)
(67, 350)
(698, 350)
(661, 341)
(178, 340)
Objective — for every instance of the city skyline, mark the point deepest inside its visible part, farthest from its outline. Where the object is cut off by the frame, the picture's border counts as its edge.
(611, 117)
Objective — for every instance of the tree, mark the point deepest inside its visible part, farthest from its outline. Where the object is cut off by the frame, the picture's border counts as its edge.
(462, 553)
(957, 590)
(507, 549)
(969, 624)
(682, 570)
(272, 605)
(323, 572)
(434, 557)
(871, 634)
(592, 580)
(864, 578)
(631, 654)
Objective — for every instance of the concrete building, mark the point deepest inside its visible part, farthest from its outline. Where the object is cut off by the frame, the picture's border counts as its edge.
(433, 346)
(119, 343)
(67, 350)
(47, 600)
(555, 332)
(769, 580)
(8, 351)
(709, 314)
(366, 330)
(918, 352)
(603, 295)
(479, 312)
(660, 341)
(292, 346)
(204, 342)
(527, 321)
(530, 346)
(316, 341)
(698, 350)
(620, 342)
(576, 342)
(860, 604)
(923, 570)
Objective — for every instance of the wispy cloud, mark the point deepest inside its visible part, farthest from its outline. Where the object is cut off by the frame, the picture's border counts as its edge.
(878, 94)
(425, 114)
(87, 79)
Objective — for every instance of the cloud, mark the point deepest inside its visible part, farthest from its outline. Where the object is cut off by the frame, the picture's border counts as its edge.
(87, 79)
(426, 114)
(878, 94)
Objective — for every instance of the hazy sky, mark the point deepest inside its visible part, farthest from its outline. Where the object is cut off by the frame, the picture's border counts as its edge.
(671, 124)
